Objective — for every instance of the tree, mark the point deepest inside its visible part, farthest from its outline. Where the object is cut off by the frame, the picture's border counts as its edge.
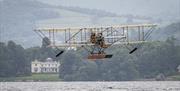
(45, 42)
(120, 67)
(159, 57)
(73, 68)
(152, 59)
(13, 60)
(45, 50)
(69, 64)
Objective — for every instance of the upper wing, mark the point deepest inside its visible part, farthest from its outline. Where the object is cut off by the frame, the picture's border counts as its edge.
(95, 28)
(80, 36)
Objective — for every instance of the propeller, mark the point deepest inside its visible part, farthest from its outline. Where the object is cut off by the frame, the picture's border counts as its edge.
(133, 50)
(61, 52)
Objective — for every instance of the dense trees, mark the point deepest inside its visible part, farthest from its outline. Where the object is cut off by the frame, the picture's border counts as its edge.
(16, 61)
(152, 59)
(41, 53)
(149, 61)
(73, 67)
(13, 60)
(159, 57)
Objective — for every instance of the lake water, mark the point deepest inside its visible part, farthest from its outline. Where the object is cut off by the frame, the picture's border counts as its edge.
(92, 86)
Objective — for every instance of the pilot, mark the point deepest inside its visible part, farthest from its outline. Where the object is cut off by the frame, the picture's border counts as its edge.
(93, 37)
(100, 39)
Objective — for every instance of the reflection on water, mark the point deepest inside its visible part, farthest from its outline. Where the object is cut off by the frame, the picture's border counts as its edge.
(91, 86)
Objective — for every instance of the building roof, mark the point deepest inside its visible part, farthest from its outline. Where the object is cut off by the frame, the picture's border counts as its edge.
(49, 60)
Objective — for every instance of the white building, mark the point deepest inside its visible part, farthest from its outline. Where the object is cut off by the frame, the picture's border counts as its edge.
(49, 66)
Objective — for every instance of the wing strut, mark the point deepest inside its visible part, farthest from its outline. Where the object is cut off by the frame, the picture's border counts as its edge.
(145, 38)
(43, 36)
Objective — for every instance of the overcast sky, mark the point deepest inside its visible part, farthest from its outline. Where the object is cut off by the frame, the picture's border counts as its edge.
(137, 7)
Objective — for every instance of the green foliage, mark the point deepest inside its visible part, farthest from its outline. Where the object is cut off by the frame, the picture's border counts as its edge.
(33, 77)
(16, 61)
(74, 68)
(175, 77)
(13, 60)
(152, 59)
(45, 42)
(41, 53)
(147, 62)
(159, 57)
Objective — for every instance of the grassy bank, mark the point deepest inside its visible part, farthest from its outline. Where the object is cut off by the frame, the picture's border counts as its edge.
(175, 77)
(54, 77)
(33, 77)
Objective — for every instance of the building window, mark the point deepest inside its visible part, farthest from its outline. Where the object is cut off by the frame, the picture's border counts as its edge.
(42, 70)
(42, 65)
(35, 64)
(35, 69)
(49, 65)
(52, 69)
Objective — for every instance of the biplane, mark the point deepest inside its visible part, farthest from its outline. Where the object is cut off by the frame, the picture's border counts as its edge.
(96, 39)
